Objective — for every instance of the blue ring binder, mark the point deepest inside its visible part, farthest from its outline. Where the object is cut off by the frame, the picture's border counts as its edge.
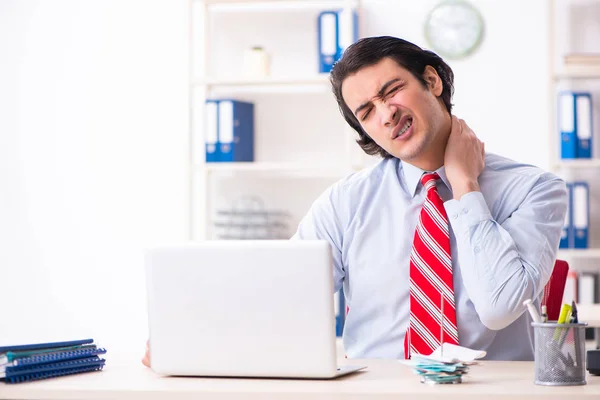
(36, 361)
(58, 369)
(54, 357)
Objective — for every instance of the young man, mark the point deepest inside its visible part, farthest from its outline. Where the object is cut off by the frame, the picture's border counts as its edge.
(413, 251)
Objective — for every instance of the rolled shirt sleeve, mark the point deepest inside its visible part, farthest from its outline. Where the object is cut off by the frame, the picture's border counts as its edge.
(504, 264)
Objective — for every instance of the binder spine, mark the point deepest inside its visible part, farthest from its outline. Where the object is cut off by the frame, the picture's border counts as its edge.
(347, 30)
(583, 124)
(43, 346)
(581, 214)
(340, 312)
(54, 357)
(566, 235)
(211, 131)
(244, 137)
(236, 131)
(55, 370)
(328, 37)
(566, 123)
(226, 130)
(588, 288)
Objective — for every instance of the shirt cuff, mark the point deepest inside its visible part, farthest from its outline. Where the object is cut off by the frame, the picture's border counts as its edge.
(467, 212)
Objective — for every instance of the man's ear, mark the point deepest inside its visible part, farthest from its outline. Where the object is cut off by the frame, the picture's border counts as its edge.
(434, 82)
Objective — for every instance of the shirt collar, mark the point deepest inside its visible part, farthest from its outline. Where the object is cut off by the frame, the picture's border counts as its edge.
(412, 177)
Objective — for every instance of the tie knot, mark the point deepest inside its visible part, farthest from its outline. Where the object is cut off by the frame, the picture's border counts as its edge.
(428, 180)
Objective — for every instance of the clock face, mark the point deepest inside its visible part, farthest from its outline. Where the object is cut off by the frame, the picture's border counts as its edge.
(454, 29)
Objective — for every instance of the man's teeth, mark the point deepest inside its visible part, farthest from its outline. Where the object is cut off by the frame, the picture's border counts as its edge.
(405, 127)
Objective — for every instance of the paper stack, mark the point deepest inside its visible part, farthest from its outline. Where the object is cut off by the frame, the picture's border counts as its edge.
(446, 365)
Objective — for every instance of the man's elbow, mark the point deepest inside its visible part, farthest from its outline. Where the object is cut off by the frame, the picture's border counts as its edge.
(496, 317)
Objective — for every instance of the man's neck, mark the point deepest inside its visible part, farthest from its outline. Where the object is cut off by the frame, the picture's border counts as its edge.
(433, 159)
(430, 164)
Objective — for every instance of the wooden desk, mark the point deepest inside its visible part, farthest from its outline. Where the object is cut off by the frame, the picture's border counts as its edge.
(384, 379)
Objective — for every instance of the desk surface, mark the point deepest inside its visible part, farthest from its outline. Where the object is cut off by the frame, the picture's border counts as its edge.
(383, 379)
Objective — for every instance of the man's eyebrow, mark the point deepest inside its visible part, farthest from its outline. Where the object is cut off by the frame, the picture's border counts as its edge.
(379, 94)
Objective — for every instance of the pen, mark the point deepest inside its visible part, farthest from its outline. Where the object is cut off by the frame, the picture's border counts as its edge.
(544, 314)
(560, 334)
(576, 335)
(565, 312)
(442, 325)
(574, 318)
(532, 311)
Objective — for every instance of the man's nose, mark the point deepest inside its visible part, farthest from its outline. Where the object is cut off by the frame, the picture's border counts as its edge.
(387, 113)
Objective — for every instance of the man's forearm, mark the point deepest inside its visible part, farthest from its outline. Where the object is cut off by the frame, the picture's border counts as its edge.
(497, 277)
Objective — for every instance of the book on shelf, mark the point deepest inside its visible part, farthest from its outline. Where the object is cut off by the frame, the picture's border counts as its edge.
(34, 361)
(336, 30)
(575, 232)
(229, 130)
(575, 124)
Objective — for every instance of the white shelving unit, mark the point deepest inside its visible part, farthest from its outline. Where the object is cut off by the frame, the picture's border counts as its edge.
(578, 71)
(580, 76)
(318, 83)
(573, 254)
(574, 163)
(316, 170)
(319, 148)
(570, 75)
(272, 5)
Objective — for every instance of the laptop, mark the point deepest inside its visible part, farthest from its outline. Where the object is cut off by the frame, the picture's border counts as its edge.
(243, 308)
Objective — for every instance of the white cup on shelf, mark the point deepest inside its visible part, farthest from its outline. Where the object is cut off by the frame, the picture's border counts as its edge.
(256, 62)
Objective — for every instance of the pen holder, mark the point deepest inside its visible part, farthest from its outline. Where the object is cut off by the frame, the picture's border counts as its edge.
(559, 354)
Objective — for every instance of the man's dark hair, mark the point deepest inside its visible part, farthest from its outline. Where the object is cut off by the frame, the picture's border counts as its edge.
(369, 51)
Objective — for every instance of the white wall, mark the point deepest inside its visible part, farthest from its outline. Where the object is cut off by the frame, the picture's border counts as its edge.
(93, 143)
(93, 155)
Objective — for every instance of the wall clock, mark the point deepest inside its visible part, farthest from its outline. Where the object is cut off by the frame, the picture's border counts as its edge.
(454, 29)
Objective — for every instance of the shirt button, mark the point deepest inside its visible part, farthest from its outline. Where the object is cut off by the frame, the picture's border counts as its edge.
(464, 211)
(454, 216)
(476, 249)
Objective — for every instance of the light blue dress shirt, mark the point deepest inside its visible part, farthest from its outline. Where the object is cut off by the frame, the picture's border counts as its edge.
(503, 242)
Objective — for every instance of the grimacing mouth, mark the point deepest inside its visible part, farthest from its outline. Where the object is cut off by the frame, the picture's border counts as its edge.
(402, 126)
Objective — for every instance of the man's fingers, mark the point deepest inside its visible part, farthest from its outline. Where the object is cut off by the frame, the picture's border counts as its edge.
(146, 359)
(462, 125)
(455, 125)
(465, 128)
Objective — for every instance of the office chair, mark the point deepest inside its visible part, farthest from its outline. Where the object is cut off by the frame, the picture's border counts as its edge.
(554, 289)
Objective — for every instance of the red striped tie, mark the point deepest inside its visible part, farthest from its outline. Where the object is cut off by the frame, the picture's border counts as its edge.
(430, 276)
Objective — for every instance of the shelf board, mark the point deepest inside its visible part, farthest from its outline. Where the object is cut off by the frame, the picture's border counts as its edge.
(578, 71)
(578, 253)
(318, 82)
(579, 163)
(589, 313)
(274, 5)
(302, 169)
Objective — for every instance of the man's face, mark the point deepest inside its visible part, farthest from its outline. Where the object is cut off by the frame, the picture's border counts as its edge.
(396, 111)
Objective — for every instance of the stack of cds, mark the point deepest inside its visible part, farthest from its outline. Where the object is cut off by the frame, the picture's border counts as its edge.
(445, 365)
(436, 372)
